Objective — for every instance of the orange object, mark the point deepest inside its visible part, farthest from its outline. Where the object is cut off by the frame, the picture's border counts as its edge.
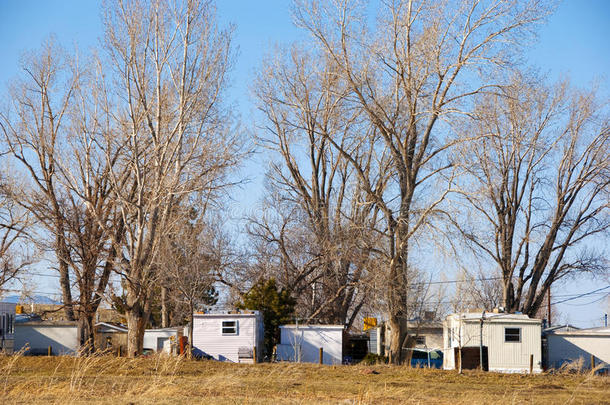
(183, 344)
(369, 323)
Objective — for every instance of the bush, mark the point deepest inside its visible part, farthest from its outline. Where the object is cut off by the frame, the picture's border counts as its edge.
(372, 359)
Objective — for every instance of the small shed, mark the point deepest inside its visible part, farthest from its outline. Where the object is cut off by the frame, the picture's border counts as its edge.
(508, 342)
(38, 336)
(229, 336)
(7, 327)
(302, 343)
(427, 334)
(111, 336)
(162, 340)
(567, 345)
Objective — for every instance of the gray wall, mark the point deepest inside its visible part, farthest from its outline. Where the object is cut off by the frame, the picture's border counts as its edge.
(63, 339)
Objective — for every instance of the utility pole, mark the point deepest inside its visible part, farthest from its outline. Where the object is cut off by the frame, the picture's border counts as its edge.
(548, 295)
(481, 341)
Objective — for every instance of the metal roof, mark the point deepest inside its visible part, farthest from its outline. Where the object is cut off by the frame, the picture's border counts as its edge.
(600, 331)
(493, 317)
(312, 326)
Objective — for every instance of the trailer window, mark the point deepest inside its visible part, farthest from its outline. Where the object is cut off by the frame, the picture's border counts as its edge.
(229, 327)
(420, 340)
(512, 334)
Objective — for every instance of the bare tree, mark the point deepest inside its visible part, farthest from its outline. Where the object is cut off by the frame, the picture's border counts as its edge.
(326, 236)
(33, 126)
(14, 226)
(475, 289)
(537, 187)
(191, 258)
(411, 76)
(169, 61)
(51, 131)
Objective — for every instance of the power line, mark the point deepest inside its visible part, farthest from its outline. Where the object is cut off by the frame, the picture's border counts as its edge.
(569, 297)
(33, 292)
(581, 295)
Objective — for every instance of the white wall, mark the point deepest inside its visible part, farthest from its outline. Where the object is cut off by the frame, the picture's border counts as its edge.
(154, 338)
(62, 338)
(208, 337)
(503, 356)
(309, 339)
(563, 348)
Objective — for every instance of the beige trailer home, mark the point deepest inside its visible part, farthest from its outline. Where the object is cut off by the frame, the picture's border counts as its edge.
(508, 342)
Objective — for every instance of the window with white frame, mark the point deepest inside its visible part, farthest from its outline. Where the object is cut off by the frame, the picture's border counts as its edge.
(512, 335)
(229, 327)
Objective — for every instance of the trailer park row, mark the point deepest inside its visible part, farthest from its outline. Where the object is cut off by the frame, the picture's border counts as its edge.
(512, 343)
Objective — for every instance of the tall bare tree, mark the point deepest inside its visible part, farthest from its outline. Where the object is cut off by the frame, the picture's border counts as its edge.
(169, 61)
(410, 75)
(312, 187)
(51, 131)
(537, 187)
(33, 128)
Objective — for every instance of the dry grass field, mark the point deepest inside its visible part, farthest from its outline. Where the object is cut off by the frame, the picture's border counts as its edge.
(69, 380)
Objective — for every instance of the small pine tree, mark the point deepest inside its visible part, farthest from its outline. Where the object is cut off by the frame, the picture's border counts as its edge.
(276, 305)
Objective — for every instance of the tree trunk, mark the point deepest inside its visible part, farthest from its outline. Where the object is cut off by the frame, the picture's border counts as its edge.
(86, 334)
(397, 297)
(164, 309)
(398, 333)
(508, 297)
(64, 272)
(189, 353)
(136, 323)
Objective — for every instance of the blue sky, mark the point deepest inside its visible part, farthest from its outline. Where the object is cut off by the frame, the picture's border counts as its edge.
(574, 42)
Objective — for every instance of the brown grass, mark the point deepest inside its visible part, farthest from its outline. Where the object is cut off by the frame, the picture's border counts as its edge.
(174, 380)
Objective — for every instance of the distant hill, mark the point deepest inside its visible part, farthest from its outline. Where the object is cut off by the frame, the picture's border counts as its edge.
(36, 299)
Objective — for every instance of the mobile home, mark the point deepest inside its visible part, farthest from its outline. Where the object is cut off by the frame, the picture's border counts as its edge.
(229, 336)
(36, 337)
(302, 343)
(508, 342)
(572, 345)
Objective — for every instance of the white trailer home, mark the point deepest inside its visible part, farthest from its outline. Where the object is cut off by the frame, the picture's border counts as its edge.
(38, 336)
(302, 343)
(229, 336)
(163, 340)
(508, 342)
(7, 327)
(569, 345)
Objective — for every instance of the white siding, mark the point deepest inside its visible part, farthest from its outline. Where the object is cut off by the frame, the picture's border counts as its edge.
(513, 356)
(374, 344)
(503, 356)
(154, 338)
(208, 337)
(63, 339)
(570, 347)
(308, 340)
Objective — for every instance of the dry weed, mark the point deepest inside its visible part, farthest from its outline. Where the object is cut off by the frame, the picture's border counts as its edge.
(166, 379)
